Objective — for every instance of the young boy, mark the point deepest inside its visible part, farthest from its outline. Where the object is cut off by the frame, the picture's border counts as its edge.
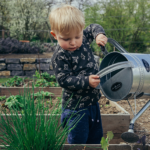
(75, 68)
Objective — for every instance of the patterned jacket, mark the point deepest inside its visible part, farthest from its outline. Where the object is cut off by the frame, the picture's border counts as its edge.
(72, 70)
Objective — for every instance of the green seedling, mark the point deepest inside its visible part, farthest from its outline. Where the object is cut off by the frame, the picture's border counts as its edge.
(105, 142)
(43, 94)
(15, 81)
(45, 80)
(14, 101)
(2, 98)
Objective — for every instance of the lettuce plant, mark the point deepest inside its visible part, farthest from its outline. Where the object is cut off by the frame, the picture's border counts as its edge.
(105, 142)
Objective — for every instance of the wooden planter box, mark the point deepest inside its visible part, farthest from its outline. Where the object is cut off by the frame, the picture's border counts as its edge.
(117, 123)
(97, 147)
(8, 91)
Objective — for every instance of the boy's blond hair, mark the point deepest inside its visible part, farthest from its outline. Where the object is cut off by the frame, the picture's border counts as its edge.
(66, 18)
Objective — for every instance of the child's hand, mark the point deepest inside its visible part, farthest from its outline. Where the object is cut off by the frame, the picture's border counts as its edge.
(101, 39)
(94, 81)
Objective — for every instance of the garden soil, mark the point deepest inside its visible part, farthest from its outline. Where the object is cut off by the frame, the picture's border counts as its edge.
(105, 107)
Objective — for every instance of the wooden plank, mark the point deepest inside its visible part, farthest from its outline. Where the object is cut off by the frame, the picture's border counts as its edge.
(116, 124)
(3, 33)
(95, 147)
(98, 147)
(20, 90)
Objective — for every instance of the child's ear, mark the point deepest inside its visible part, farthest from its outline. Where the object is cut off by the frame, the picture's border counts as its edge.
(53, 34)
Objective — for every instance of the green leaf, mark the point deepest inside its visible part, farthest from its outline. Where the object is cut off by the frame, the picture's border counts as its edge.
(110, 135)
(104, 143)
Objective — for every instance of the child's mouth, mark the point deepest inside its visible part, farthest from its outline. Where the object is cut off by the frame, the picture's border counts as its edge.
(73, 48)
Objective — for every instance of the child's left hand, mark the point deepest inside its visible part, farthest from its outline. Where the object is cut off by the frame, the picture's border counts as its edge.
(101, 39)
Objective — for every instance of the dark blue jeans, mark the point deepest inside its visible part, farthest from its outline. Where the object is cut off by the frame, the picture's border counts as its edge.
(88, 130)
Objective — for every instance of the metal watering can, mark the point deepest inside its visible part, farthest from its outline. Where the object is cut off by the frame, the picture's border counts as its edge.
(125, 76)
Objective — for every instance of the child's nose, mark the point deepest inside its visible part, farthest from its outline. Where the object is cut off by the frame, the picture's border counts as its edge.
(72, 42)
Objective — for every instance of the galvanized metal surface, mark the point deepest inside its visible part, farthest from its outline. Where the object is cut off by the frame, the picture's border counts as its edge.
(134, 80)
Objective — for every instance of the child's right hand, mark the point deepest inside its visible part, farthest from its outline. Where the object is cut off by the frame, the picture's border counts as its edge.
(94, 81)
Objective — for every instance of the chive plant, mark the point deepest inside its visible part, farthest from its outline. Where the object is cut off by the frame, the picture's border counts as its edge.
(33, 129)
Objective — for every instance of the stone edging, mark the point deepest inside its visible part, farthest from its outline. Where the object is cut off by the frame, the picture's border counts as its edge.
(26, 66)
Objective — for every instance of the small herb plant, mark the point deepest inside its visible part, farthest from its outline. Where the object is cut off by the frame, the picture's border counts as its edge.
(14, 102)
(43, 94)
(45, 80)
(105, 142)
(59, 106)
(2, 98)
(15, 81)
(50, 78)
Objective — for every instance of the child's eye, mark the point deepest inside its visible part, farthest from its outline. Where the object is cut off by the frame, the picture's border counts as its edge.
(66, 39)
(77, 37)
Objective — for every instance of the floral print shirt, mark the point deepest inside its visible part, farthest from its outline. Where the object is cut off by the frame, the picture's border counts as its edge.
(72, 70)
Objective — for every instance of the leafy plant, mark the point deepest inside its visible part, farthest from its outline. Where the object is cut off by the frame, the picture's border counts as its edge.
(59, 106)
(105, 142)
(33, 129)
(43, 94)
(142, 141)
(37, 75)
(15, 81)
(45, 80)
(14, 102)
(2, 98)
(48, 77)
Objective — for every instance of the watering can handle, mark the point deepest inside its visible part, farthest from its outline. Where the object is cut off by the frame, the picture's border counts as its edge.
(115, 44)
(114, 67)
(104, 51)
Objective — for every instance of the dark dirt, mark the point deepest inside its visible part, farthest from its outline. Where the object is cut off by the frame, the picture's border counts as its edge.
(106, 108)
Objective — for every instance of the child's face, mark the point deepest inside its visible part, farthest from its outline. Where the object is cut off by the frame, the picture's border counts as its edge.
(71, 41)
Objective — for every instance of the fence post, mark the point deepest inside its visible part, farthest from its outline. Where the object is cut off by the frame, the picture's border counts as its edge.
(114, 49)
(3, 34)
(8, 33)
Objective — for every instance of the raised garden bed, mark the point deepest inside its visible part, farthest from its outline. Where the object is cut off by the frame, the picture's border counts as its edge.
(114, 118)
(41, 82)
(8, 91)
(98, 147)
